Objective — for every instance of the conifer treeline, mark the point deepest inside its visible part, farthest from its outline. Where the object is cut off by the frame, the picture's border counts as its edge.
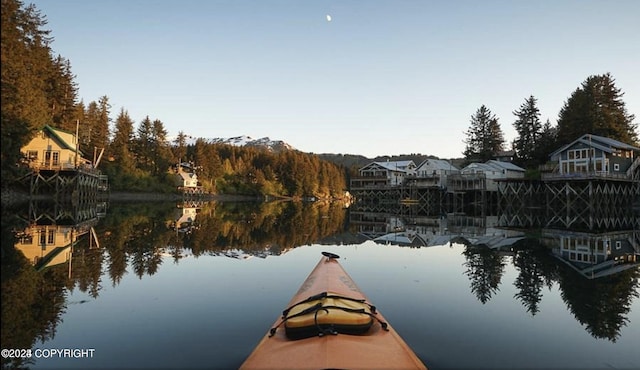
(596, 107)
(38, 88)
(246, 170)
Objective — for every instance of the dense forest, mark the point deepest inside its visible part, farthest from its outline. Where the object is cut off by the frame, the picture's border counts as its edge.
(39, 88)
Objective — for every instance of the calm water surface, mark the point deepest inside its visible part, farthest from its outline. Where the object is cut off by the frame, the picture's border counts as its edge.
(457, 305)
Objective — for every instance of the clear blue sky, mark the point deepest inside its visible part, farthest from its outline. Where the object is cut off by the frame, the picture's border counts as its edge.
(381, 78)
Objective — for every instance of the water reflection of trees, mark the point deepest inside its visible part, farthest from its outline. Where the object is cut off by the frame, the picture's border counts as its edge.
(139, 236)
(484, 269)
(536, 271)
(32, 302)
(142, 237)
(601, 305)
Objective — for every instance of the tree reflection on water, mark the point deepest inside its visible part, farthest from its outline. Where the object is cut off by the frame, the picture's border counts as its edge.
(142, 235)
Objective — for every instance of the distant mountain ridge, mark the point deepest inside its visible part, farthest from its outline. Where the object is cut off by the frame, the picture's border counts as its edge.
(244, 140)
(353, 161)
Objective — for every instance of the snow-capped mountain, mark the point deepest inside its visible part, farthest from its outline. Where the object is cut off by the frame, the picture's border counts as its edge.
(265, 142)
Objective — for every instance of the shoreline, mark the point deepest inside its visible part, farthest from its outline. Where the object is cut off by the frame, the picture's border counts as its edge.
(11, 197)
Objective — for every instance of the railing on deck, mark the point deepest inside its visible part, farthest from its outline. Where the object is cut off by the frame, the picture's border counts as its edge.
(585, 176)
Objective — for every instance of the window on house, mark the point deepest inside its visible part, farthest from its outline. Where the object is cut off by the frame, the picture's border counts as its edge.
(43, 237)
(32, 155)
(616, 167)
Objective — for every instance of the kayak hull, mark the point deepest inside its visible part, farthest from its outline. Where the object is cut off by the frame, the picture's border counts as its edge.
(377, 349)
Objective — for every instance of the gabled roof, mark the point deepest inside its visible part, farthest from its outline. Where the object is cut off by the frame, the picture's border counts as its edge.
(390, 165)
(187, 175)
(439, 164)
(54, 133)
(493, 165)
(481, 166)
(599, 142)
(505, 165)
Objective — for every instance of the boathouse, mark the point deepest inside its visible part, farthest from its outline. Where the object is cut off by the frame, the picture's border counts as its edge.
(54, 149)
(60, 170)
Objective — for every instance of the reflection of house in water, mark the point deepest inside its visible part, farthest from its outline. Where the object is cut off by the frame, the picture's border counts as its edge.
(54, 230)
(50, 245)
(483, 231)
(595, 255)
(425, 231)
(185, 218)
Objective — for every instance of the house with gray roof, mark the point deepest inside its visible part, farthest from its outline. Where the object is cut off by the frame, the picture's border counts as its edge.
(597, 155)
(484, 176)
(434, 172)
(388, 172)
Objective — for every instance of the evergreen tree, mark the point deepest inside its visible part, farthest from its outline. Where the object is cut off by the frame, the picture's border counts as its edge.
(180, 147)
(62, 94)
(529, 129)
(26, 62)
(25, 57)
(94, 126)
(162, 155)
(100, 132)
(91, 120)
(596, 107)
(120, 148)
(144, 144)
(484, 136)
(547, 143)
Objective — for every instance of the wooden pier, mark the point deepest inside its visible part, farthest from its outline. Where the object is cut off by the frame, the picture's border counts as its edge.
(587, 202)
(67, 185)
(584, 201)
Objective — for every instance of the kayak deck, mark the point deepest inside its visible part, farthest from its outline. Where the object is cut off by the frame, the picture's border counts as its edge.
(378, 348)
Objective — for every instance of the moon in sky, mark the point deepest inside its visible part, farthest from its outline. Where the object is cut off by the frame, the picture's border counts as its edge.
(328, 18)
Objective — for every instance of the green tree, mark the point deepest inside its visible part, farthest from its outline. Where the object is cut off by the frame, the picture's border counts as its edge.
(143, 148)
(62, 93)
(484, 138)
(161, 151)
(26, 62)
(120, 148)
(100, 130)
(529, 129)
(547, 143)
(596, 107)
(180, 147)
(25, 57)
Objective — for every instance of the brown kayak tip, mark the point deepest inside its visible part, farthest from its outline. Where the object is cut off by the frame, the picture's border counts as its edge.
(330, 324)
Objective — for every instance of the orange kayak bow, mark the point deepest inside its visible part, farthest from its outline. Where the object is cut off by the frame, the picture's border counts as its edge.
(330, 324)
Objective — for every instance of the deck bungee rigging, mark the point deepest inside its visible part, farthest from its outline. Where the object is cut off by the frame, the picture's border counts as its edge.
(328, 313)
